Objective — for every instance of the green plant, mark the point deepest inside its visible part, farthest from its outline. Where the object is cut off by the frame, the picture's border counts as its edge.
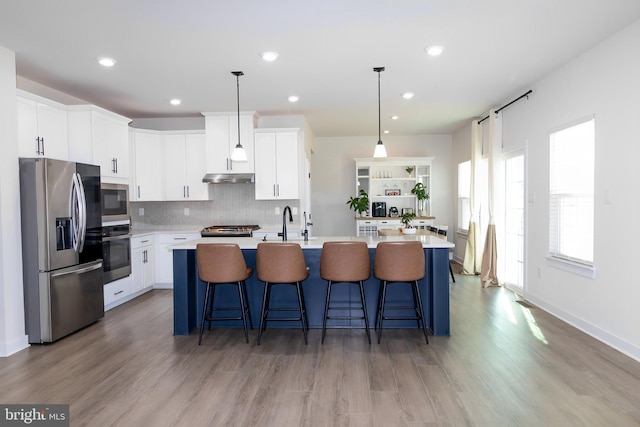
(409, 169)
(421, 194)
(359, 203)
(406, 219)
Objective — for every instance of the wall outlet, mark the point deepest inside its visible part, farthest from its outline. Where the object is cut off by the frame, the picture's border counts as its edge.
(186, 211)
(277, 211)
(294, 211)
(140, 211)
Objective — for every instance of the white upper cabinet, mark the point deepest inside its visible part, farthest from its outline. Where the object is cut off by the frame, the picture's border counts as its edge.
(107, 135)
(184, 166)
(222, 137)
(147, 176)
(278, 167)
(42, 127)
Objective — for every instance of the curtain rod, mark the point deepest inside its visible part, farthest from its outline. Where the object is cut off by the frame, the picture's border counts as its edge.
(505, 106)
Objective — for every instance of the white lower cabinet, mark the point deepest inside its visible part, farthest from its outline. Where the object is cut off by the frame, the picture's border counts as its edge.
(164, 257)
(118, 292)
(142, 262)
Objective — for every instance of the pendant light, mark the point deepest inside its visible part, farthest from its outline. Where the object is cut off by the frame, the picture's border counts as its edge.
(238, 154)
(380, 151)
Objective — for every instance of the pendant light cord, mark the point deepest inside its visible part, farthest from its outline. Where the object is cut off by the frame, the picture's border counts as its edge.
(379, 128)
(238, 98)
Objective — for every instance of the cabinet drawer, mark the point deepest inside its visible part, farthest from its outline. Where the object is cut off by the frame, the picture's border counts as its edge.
(142, 241)
(117, 290)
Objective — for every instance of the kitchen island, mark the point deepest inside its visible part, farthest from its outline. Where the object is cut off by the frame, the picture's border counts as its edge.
(189, 289)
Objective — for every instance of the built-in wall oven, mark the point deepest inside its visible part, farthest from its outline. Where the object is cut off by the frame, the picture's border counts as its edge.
(115, 202)
(116, 250)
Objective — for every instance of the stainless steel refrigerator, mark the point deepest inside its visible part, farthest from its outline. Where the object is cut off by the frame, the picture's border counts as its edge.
(61, 247)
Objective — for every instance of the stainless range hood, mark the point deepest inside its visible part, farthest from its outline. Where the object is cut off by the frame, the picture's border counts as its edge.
(228, 178)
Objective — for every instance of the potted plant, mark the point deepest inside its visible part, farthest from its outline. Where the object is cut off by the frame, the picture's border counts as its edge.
(406, 221)
(409, 170)
(420, 191)
(359, 203)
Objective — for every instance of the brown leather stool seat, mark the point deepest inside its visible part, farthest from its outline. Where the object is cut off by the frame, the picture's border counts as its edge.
(219, 264)
(281, 263)
(345, 262)
(399, 262)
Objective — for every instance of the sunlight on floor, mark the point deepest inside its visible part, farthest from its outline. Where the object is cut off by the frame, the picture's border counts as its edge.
(533, 326)
(507, 307)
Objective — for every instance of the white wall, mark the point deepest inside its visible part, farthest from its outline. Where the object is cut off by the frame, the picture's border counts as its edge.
(12, 333)
(334, 177)
(604, 82)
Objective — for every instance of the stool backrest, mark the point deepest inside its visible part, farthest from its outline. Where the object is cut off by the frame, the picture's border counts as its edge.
(220, 263)
(281, 263)
(399, 261)
(345, 261)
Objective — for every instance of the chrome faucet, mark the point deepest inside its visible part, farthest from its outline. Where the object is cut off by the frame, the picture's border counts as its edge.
(284, 222)
(305, 233)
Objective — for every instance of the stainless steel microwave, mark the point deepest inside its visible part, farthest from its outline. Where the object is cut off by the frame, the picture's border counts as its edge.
(115, 202)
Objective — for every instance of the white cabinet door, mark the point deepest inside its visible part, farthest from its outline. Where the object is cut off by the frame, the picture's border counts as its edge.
(222, 137)
(147, 148)
(111, 146)
(184, 166)
(107, 134)
(196, 167)
(277, 171)
(288, 172)
(42, 130)
(142, 262)
(164, 256)
(266, 175)
(174, 167)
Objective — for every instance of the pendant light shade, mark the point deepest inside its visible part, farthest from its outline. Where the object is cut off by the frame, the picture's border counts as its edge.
(238, 154)
(380, 151)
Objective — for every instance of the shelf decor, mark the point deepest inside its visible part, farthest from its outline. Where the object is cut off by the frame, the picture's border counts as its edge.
(392, 192)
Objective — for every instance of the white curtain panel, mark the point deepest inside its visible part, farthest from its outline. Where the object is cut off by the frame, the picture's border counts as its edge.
(473, 251)
(489, 269)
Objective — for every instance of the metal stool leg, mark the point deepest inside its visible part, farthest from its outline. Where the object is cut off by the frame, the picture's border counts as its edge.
(265, 310)
(326, 310)
(381, 314)
(204, 312)
(303, 314)
(243, 311)
(421, 311)
(246, 299)
(364, 310)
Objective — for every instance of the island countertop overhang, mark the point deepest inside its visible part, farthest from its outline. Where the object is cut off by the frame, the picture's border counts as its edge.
(317, 242)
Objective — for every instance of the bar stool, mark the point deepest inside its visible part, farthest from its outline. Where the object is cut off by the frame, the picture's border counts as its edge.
(443, 232)
(281, 263)
(345, 262)
(399, 262)
(221, 264)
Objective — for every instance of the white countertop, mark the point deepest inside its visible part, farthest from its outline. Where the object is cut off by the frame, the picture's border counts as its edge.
(317, 242)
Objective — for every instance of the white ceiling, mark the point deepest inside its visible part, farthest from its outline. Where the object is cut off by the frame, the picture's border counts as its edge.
(494, 49)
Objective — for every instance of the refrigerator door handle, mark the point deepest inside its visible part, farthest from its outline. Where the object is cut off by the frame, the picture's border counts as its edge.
(78, 213)
(83, 270)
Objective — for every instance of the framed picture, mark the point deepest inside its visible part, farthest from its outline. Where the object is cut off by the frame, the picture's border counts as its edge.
(392, 192)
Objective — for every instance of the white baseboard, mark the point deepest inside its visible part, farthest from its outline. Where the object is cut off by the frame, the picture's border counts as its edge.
(588, 328)
(12, 347)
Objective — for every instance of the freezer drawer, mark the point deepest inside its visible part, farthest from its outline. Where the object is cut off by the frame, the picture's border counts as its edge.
(70, 299)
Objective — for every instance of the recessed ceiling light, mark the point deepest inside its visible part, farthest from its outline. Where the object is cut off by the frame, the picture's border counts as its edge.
(107, 62)
(394, 117)
(408, 95)
(269, 56)
(176, 101)
(434, 50)
(386, 131)
(293, 98)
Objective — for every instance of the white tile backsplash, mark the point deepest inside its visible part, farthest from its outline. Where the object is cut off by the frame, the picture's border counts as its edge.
(229, 204)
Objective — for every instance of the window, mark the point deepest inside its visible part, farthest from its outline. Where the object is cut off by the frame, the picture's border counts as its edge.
(571, 182)
(464, 195)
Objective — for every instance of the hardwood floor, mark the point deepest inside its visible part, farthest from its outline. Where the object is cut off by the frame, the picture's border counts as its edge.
(504, 365)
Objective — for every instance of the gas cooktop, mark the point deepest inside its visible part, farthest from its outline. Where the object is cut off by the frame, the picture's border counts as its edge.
(229, 230)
